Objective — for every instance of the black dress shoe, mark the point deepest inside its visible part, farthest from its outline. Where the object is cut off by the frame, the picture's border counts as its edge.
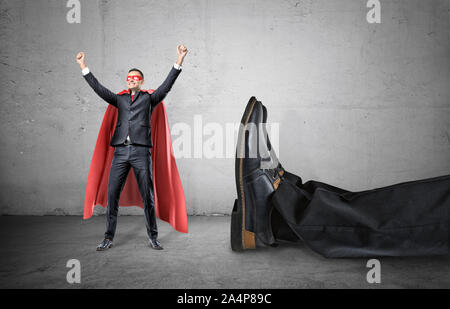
(258, 174)
(105, 245)
(155, 244)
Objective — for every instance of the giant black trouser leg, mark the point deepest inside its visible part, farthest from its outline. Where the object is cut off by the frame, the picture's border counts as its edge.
(404, 219)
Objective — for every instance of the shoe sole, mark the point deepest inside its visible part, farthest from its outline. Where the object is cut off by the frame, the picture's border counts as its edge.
(99, 249)
(156, 248)
(241, 239)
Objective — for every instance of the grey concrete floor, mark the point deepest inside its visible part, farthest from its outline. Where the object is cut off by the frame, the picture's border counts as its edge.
(34, 252)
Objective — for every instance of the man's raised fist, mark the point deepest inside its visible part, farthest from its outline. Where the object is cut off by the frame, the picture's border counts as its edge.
(80, 57)
(181, 50)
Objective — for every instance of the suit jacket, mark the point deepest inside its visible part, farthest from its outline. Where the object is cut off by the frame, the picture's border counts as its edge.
(133, 116)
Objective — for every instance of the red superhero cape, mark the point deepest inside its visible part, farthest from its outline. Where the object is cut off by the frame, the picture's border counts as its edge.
(170, 202)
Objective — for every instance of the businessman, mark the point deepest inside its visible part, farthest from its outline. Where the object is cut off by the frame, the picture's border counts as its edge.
(132, 141)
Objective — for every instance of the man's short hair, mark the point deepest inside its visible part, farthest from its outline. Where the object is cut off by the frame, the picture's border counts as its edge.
(137, 70)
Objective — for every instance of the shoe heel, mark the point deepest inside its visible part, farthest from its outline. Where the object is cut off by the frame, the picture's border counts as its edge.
(241, 239)
(236, 227)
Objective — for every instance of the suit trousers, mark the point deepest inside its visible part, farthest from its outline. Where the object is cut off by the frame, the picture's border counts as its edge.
(405, 219)
(139, 158)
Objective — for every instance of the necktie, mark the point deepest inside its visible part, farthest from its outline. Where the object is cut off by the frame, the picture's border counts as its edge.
(128, 136)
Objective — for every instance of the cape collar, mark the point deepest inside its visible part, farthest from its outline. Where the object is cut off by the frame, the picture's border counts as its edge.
(127, 91)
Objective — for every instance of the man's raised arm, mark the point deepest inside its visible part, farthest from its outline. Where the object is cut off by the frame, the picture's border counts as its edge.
(165, 87)
(103, 92)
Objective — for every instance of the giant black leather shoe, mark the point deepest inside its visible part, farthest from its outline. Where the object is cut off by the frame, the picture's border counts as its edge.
(258, 174)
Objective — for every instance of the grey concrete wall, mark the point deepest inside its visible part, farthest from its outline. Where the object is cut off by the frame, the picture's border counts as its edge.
(359, 105)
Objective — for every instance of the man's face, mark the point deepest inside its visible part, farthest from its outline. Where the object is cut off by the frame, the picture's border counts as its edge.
(134, 80)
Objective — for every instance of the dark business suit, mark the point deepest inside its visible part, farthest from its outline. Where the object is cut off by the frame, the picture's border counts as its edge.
(133, 120)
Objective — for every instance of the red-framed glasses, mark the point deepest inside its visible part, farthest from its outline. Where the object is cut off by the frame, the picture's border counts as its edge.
(134, 77)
